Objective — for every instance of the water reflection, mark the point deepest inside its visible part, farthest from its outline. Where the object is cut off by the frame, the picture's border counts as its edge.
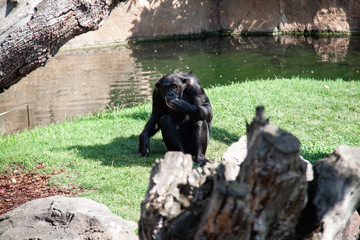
(79, 82)
(327, 49)
(75, 83)
(332, 50)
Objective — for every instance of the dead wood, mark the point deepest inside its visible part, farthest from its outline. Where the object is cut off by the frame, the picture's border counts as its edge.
(334, 195)
(175, 198)
(263, 196)
(269, 193)
(264, 201)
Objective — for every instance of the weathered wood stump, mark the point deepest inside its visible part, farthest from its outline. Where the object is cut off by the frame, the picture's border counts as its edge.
(264, 201)
(263, 196)
(269, 193)
(175, 198)
(334, 195)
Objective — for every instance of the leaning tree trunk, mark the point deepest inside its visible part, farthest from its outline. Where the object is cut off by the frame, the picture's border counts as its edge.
(31, 32)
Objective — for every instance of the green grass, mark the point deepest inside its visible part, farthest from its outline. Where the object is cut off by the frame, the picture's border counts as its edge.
(98, 152)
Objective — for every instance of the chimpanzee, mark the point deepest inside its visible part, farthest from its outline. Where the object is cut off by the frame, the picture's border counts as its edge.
(183, 112)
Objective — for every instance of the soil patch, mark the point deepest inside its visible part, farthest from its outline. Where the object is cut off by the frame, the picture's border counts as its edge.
(19, 186)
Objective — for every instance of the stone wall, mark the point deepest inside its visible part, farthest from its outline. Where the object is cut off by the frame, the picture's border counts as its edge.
(157, 18)
(289, 15)
(137, 19)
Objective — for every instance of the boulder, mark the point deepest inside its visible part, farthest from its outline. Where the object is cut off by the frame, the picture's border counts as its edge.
(60, 217)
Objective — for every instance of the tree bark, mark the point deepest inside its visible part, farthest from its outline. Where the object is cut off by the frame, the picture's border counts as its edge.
(263, 196)
(263, 202)
(269, 193)
(31, 32)
(334, 195)
(175, 199)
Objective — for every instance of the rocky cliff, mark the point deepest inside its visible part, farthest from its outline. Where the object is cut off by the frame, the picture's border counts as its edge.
(158, 18)
(289, 15)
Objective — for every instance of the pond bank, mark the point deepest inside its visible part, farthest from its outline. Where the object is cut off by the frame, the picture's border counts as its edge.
(124, 74)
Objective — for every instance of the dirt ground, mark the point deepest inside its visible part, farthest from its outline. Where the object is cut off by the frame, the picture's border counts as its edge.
(19, 186)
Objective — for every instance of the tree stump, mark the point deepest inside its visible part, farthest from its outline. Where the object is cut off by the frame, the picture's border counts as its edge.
(334, 195)
(263, 196)
(175, 198)
(269, 193)
(264, 201)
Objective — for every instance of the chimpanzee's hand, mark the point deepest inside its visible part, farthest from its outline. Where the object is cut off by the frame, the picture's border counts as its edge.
(182, 106)
(144, 146)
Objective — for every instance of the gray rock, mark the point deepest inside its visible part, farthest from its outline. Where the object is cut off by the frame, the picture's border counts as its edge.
(61, 217)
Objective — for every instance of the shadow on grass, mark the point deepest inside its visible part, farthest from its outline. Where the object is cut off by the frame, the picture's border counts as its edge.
(217, 134)
(224, 136)
(120, 152)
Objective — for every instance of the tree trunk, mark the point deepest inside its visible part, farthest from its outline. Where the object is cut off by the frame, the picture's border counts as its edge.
(263, 202)
(175, 198)
(31, 32)
(263, 196)
(334, 195)
(270, 189)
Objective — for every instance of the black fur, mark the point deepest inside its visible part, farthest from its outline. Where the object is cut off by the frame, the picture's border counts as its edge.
(183, 113)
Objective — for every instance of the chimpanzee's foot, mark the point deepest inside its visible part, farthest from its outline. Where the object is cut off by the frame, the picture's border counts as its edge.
(201, 161)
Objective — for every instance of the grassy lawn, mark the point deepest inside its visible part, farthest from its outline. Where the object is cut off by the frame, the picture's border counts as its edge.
(98, 152)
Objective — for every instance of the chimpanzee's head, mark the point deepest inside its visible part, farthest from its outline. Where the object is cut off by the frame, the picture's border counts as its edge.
(172, 86)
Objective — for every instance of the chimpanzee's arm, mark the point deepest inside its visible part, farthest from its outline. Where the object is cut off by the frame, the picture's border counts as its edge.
(150, 129)
(205, 112)
(152, 126)
(200, 109)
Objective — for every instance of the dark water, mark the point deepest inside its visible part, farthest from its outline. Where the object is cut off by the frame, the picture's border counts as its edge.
(79, 82)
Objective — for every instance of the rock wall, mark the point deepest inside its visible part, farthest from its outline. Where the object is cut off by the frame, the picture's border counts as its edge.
(159, 18)
(290, 15)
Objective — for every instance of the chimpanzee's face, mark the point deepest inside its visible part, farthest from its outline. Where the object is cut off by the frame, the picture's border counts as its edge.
(172, 87)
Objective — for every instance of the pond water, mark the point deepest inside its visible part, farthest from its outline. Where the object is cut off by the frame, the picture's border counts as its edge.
(80, 82)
